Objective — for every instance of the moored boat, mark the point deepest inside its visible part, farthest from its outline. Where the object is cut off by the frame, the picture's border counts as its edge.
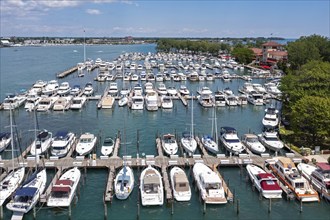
(42, 143)
(180, 185)
(253, 144)
(107, 146)
(62, 143)
(265, 183)
(169, 144)
(230, 140)
(270, 140)
(124, 183)
(151, 187)
(86, 144)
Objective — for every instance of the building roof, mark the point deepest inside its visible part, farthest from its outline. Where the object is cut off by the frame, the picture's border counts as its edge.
(278, 53)
(271, 44)
(256, 51)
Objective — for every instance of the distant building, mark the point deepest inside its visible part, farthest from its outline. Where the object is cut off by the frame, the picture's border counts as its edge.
(6, 43)
(258, 54)
(273, 52)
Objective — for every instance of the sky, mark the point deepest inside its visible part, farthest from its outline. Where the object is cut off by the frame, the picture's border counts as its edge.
(163, 18)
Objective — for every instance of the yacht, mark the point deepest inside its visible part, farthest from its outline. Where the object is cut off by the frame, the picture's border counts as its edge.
(167, 102)
(13, 101)
(180, 185)
(62, 103)
(37, 87)
(286, 171)
(88, 90)
(137, 102)
(27, 196)
(42, 143)
(113, 89)
(64, 89)
(5, 140)
(204, 91)
(188, 142)
(270, 119)
(123, 101)
(219, 99)
(193, 76)
(270, 140)
(134, 77)
(318, 176)
(162, 89)
(124, 183)
(183, 90)
(107, 146)
(210, 144)
(62, 143)
(64, 189)
(78, 102)
(242, 100)
(265, 183)
(151, 100)
(86, 144)
(46, 103)
(209, 184)
(255, 98)
(171, 90)
(230, 140)
(151, 187)
(137, 90)
(231, 100)
(169, 144)
(32, 101)
(51, 88)
(253, 144)
(76, 90)
(148, 87)
(206, 101)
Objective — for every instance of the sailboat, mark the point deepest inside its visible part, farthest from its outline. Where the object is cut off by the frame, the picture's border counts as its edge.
(27, 196)
(208, 142)
(10, 183)
(124, 181)
(188, 141)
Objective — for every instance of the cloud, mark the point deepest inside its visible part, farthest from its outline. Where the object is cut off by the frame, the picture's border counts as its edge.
(93, 11)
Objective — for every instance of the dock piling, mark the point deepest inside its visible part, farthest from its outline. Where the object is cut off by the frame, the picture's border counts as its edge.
(270, 205)
(237, 207)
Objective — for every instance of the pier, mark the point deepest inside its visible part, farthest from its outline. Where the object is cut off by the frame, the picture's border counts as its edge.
(67, 72)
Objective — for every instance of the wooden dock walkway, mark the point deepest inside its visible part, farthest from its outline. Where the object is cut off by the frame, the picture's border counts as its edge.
(108, 195)
(200, 146)
(167, 186)
(45, 195)
(67, 72)
(183, 99)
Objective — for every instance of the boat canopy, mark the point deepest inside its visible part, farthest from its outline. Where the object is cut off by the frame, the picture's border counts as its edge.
(151, 179)
(64, 183)
(61, 189)
(228, 129)
(42, 135)
(61, 134)
(265, 176)
(4, 135)
(324, 166)
(26, 191)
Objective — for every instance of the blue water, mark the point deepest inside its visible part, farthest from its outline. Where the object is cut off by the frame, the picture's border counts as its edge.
(21, 67)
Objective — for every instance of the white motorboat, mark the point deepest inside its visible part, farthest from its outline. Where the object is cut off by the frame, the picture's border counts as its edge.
(137, 102)
(124, 91)
(180, 185)
(46, 104)
(204, 91)
(113, 89)
(219, 99)
(123, 101)
(265, 183)
(107, 146)
(148, 87)
(137, 90)
(286, 171)
(88, 90)
(253, 144)
(151, 187)
(86, 144)
(318, 176)
(171, 90)
(32, 101)
(231, 100)
(242, 100)
(13, 101)
(37, 87)
(255, 98)
(161, 89)
(210, 144)
(183, 90)
(62, 143)
(151, 100)
(42, 143)
(76, 90)
(64, 89)
(27, 196)
(270, 140)
(206, 101)
(230, 140)
(209, 184)
(124, 183)
(169, 144)
(51, 88)
(5, 140)
(62, 103)
(167, 102)
(64, 189)
(78, 102)
(270, 119)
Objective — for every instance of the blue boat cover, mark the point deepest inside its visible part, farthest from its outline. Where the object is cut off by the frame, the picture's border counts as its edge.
(61, 133)
(26, 191)
(4, 135)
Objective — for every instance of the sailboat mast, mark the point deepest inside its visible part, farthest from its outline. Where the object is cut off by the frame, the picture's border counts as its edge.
(192, 116)
(216, 126)
(11, 136)
(84, 48)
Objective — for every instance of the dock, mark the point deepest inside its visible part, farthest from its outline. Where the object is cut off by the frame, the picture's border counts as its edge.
(67, 72)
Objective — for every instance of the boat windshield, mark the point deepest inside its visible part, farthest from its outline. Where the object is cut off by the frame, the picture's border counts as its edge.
(252, 140)
(271, 139)
(212, 186)
(232, 141)
(299, 185)
(85, 140)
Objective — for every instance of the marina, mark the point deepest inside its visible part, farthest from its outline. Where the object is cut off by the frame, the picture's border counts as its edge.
(144, 130)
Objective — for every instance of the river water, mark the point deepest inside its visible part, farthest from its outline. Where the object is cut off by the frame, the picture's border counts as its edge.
(22, 66)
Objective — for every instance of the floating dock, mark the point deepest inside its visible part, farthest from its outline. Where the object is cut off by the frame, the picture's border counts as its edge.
(67, 72)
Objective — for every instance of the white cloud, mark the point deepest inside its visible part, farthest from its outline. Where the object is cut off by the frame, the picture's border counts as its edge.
(93, 11)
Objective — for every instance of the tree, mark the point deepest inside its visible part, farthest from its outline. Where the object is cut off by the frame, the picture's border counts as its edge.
(243, 54)
(311, 119)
